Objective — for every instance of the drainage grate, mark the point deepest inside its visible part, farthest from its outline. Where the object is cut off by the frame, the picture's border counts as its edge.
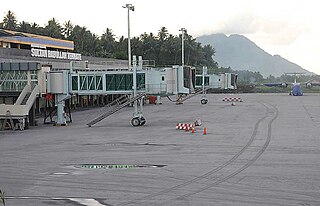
(117, 166)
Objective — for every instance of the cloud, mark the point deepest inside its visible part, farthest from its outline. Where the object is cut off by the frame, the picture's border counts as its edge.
(244, 23)
(275, 32)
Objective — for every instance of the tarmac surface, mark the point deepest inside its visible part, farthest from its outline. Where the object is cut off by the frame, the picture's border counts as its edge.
(262, 151)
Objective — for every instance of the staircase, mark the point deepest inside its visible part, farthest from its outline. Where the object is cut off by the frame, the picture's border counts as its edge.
(115, 106)
(192, 95)
(25, 99)
(16, 115)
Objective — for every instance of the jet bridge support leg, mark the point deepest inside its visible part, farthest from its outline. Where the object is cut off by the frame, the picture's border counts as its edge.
(61, 120)
(204, 99)
(159, 100)
(61, 116)
(138, 119)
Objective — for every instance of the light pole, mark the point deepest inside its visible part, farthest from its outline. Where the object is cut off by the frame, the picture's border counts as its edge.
(183, 30)
(129, 7)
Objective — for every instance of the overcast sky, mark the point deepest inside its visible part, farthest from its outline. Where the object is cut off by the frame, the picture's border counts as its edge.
(284, 27)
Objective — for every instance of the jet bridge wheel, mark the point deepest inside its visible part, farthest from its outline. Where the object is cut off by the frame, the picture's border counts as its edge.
(142, 121)
(135, 121)
(138, 121)
(204, 101)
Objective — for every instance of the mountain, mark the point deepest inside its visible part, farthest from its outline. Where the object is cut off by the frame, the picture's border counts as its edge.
(240, 53)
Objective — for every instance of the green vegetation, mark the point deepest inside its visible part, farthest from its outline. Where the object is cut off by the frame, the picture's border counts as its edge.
(164, 48)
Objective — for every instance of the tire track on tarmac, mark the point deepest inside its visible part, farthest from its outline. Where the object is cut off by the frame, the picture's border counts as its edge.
(211, 172)
(248, 164)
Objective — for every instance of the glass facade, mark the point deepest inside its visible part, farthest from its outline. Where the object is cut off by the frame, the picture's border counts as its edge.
(16, 80)
(199, 81)
(87, 82)
(120, 82)
(114, 82)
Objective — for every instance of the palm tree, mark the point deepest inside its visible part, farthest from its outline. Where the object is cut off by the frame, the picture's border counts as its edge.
(162, 46)
(121, 48)
(107, 41)
(10, 21)
(163, 34)
(67, 29)
(53, 29)
(24, 27)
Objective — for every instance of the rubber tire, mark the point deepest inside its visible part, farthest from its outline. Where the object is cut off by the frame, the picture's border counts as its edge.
(135, 122)
(204, 101)
(142, 121)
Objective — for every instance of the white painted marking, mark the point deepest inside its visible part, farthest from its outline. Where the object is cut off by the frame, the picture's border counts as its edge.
(60, 173)
(88, 202)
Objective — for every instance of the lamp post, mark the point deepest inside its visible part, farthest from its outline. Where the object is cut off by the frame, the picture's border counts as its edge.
(183, 30)
(129, 7)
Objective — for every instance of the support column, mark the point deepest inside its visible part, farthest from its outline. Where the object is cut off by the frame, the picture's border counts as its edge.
(134, 81)
(159, 100)
(32, 115)
(28, 77)
(60, 114)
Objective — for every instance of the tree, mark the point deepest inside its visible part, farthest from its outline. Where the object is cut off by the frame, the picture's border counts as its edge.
(24, 27)
(10, 21)
(208, 52)
(91, 44)
(107, 42)
(85, 42)
(36, 29)
(163, 34)
(77, 36)
(271, 78)
(162, 46)
(173, 45)
(67, 29)
(121, 49)
(53, 29)
(148, 49)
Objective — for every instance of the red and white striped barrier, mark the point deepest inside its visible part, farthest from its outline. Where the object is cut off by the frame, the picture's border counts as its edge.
(191, 127)
(183, 126)
(232, 99)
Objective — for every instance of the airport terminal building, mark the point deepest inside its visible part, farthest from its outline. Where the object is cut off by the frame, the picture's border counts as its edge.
(26, 58)
(22, 54)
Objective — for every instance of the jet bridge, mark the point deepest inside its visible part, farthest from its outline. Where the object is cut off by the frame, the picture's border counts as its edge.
(136, 82)
(217, 81)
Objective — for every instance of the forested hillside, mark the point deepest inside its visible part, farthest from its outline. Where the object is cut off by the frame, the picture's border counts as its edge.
(240, 53)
